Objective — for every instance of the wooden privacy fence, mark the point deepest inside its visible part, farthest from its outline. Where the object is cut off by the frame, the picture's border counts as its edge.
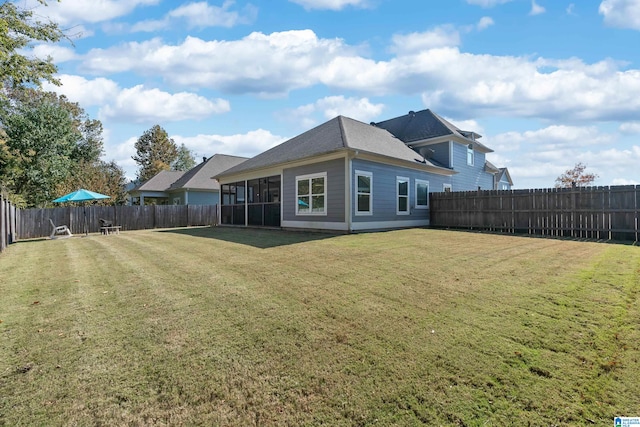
(35, 223)
(602, 213)
(8, 222)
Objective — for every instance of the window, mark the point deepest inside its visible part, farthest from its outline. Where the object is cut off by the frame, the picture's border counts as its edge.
(446, 188)
(470, 154)
(364, 200)
(422, 194)
(176, 200)
(402, 186)
(311, 191)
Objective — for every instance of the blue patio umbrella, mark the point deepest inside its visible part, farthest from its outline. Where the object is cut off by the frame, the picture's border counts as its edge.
(81, 195)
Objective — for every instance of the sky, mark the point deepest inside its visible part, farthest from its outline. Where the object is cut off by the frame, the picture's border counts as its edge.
(547, 83)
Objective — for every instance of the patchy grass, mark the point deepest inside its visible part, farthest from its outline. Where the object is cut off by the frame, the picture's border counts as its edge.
(216, 326)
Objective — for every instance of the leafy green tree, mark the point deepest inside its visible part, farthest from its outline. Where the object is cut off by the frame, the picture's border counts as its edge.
(18, 31)
(185, 160)
(46, 137)
(576, 177)
(155, 152)
(104, 177)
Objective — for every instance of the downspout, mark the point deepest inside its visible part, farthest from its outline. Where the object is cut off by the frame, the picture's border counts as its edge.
(246, 204)
(349, 190)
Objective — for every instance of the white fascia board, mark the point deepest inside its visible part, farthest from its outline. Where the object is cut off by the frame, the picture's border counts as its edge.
(277, 169)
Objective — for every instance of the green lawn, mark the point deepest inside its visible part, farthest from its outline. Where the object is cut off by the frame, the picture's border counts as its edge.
(218, 326)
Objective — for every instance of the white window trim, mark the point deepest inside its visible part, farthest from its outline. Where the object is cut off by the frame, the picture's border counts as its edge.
(309, 177)
(473, 155)
(445, 186)
(370, 175)
(421, 181)
(400, 179)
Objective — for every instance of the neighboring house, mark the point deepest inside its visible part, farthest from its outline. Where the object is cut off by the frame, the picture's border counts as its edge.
(346, 175)
(501, 177)
(197, 186)
(154, 190)
(193, 187)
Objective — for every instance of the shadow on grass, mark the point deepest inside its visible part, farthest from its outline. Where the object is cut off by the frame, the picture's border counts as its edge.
(256, 237)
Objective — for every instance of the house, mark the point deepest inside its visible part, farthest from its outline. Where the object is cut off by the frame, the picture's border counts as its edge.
(193, 187)
(155, 189)
(345, 175)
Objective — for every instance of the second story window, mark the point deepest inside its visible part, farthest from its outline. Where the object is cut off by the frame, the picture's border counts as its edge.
(470, 154)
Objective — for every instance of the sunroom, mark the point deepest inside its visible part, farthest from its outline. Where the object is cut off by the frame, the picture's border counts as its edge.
(254, 202)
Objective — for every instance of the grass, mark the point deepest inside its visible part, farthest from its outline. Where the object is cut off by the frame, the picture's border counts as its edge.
(216, 326)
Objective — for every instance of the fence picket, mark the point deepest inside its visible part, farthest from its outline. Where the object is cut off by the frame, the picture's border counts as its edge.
(603, 213)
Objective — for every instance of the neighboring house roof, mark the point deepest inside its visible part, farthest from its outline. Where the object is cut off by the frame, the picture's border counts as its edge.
(423, 125)
(340, 133)
(504, 173)
(159, 182)
(200, 176)
(490, 167)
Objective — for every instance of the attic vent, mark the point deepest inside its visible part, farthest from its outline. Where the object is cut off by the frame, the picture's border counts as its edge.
(412, 113)
(372, 123)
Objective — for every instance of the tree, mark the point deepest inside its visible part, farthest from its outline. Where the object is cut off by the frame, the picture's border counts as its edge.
(104, 177)
(46, 137)
(155, 152)
(185, 159)
(575, 177)
(18, 31)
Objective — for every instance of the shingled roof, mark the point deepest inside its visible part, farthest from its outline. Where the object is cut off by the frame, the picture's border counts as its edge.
(159, 182)
(424, 125)
(340, 133)
(200, 176)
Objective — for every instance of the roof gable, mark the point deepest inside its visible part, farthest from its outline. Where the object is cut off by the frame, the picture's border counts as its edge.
(339, 133)
(424, 125)
(200, 177)
(160, 181)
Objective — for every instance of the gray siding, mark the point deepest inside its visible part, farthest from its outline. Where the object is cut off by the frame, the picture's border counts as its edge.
(384, 191)
(468, 177)
(335, 170)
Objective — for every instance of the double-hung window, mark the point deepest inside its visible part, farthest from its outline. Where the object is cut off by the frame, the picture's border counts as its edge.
(311, 194)
(470, 154)
(364, 197)
(422, 194)
(402, 195)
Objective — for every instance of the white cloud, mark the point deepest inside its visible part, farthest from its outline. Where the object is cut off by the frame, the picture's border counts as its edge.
(200, 15)
(329, 107)
(330, 4)
(571, 9)
(536, 9)
(91, 11)
(137, 104)
(258, 63)
(621, 13)
(452, 82)
(85, 92)
(152, 105)
(544, 154)
(630, 128)
(441, 36)
(487, 3)
(247, 145)
(484, 23)
(58, 53)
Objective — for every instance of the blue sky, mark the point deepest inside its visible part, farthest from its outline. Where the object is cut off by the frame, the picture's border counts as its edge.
(548, 83)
